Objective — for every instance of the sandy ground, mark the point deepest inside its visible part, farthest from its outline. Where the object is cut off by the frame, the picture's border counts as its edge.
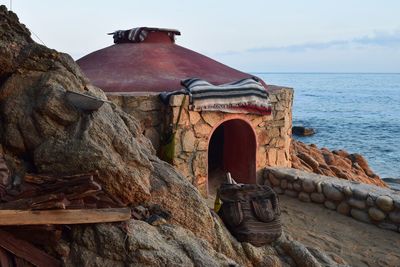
(359, 244)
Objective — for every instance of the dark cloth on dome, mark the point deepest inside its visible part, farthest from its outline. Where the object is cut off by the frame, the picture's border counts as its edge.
(137, 35)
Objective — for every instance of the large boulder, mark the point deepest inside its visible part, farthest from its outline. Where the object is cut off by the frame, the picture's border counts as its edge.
(41, 127)
(140, 244)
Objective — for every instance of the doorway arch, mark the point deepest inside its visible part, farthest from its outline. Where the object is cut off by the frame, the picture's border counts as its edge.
(232, 148)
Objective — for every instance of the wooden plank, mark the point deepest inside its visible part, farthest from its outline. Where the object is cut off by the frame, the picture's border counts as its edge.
(27, 203)
(24, 250)
(27, 217)
(19, 262)
(47, 235)
(4, 258)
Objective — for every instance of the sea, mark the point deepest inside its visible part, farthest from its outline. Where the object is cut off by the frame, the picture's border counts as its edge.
(357, 112)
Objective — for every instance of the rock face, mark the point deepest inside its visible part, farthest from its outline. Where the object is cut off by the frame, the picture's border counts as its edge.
(42, 128)
(42, 133)
(338, 163)
(144, 245)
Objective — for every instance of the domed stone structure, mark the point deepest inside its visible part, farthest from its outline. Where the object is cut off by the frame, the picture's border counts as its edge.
(204, 144)
(155, 64)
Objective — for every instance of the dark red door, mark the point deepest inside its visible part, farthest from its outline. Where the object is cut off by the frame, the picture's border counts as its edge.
(239, 155)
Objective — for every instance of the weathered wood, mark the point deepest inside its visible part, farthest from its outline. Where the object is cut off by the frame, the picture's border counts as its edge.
(27, 203)
(4, 258)
(47, 235)
(65, 185)
(43, 192)
(83, 191)
(58, 185)
(19, 262)
(26, 251)
(76, 204)
(49, 205)
(38, 179)
(22, 217)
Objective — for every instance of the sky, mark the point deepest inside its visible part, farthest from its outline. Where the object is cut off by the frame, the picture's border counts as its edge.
(252, 35)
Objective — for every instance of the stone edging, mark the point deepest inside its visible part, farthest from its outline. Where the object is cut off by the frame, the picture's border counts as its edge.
(364, 202)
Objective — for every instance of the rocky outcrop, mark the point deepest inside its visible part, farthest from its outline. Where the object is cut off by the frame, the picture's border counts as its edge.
(42, 133)
(48, 135)
(139, 244)
(337, 163)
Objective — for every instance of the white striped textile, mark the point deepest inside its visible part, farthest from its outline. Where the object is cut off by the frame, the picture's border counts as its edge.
(243, 96)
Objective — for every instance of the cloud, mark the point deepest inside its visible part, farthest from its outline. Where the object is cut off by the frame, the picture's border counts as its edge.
(386, 39)
(380, 38)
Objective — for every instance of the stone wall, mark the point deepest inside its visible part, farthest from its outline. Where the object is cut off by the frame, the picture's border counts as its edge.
(368, 203)
(273, 134)
(145, 107)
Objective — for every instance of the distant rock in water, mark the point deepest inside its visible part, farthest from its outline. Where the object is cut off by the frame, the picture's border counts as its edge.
(337, 163)
(393, 183)
(302, 131)
(392, 180)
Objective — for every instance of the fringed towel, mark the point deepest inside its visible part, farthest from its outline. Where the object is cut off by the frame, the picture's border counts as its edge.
(137, 35)
(243, 96)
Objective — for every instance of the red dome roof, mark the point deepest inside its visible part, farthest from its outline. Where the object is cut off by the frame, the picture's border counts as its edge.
(154, 65)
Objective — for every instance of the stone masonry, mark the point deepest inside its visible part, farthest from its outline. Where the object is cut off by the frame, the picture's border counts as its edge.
(273, 132)
(364, 202)
(145, 107)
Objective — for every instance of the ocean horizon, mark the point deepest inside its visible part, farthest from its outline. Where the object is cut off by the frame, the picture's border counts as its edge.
(357, 112)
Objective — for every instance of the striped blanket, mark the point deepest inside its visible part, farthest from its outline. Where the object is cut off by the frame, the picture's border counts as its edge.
(243, 96)
(137, 35)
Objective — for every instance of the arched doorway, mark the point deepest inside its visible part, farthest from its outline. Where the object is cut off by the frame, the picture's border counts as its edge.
(232, 148)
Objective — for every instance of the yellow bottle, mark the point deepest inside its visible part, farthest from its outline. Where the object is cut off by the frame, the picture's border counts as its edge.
(217, 203)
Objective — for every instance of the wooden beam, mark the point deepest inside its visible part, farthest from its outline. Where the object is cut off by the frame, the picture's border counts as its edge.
(4, 258)
(28, 252)
(47, 235)
(27, 217)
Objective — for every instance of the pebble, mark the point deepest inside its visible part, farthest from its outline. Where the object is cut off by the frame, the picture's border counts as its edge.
(376, 214)
(360, 194)
(385, 203)
(290, 186)
(308, 186)
(347, 191)
(330, 205)
(370, 201)
(291, 193)
(284, 184)
(395, 216)
(317, 197)
(319, 187)
(355, 203)
(360, 215)
(332, 193)
(343, 208)
(303, 196)
(297, 186)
